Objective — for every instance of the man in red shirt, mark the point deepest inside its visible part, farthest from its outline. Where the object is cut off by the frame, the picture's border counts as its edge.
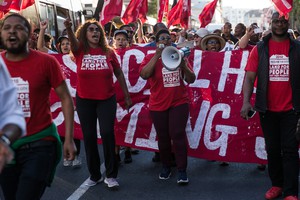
(39, 151)
(275, 62)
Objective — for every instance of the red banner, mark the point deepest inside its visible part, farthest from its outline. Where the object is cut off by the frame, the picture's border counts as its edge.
(283, 6)
(215, 130)
(111, 8)
(136, 9)
(163, 9)
(207, 13)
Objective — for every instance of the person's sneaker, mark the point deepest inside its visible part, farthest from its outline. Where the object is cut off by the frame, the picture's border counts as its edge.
(273, 193)
(91, 183)
(76, 162)
(67, 163)
(128, 158)
(165, 173)
(182, 178)
(291, 198)
(111, 183)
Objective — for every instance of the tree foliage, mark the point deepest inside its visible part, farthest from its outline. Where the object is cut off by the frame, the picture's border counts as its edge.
(152, 8)
(295, 15)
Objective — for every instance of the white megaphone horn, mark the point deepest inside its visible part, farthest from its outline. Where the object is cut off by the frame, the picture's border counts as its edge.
(171, 57)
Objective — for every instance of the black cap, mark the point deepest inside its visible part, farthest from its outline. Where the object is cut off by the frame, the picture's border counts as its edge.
(161, 32)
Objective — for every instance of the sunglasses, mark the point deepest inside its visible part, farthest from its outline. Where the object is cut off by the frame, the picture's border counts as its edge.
(277, 21)
(92, 29)
(164, 38)
(213, 42)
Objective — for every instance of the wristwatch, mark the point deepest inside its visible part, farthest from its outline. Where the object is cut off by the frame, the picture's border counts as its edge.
(5, 139)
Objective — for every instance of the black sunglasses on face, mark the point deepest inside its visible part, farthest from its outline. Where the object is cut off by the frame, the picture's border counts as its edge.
(164, 38)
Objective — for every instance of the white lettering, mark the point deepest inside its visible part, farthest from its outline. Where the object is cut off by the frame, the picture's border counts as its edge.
(222, 141)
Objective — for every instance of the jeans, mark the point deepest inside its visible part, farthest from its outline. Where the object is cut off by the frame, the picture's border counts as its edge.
(170, 128)
(282, 148)
(29, 177)
(89, 111)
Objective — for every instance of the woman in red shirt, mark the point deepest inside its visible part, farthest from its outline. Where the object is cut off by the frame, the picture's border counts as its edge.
(96, 99)
(169, 106)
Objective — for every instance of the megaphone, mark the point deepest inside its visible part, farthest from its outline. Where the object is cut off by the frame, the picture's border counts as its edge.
(171, 57)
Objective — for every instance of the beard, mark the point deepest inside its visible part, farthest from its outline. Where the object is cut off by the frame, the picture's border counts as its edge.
(22, 47)
(280, 35)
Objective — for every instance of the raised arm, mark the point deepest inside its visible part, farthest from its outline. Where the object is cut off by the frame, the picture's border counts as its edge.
(41, 41)
(71, 35)
(243, 42)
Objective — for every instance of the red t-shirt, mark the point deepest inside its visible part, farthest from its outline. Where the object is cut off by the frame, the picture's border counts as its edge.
(34, 77)
(167, 87)
(279, 87)
(95, 73)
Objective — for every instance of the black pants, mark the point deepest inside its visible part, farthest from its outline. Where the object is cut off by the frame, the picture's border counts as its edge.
(89, 111)
(282, 148)
(170, 128)
(29, 177)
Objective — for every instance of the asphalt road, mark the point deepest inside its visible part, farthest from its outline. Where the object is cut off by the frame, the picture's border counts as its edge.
(139, 181)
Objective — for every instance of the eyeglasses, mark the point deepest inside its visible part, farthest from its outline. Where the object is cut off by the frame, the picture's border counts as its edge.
(92, 29)
(277, 21)
(213, 42)
(164, 38)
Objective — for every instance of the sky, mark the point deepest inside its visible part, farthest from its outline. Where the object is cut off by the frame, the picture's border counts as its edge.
(247, 3)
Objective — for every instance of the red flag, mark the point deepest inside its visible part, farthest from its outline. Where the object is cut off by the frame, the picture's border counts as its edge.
(111, 8)
(163, 8)
(283, 6)
(143, 11)
(174, 14)
(20, 4)
(186, 13)
(135, 9)
(180, 13)
(207, 13)
(4, 6)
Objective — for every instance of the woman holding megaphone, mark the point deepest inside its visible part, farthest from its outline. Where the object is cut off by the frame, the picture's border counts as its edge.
(169, 106)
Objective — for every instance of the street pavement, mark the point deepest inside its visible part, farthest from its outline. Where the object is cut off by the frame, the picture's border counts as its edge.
(139, 181)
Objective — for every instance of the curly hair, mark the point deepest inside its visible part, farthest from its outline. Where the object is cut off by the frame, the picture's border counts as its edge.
(81, 36)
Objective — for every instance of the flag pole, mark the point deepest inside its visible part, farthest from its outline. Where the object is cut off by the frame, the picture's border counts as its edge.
(37, 13)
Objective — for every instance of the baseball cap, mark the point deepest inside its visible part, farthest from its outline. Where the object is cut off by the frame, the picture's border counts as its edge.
(62, 37)
(124, 32)
(202, 32)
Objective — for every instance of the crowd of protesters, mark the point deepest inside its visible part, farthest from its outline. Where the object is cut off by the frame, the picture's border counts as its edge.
(93, 43)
